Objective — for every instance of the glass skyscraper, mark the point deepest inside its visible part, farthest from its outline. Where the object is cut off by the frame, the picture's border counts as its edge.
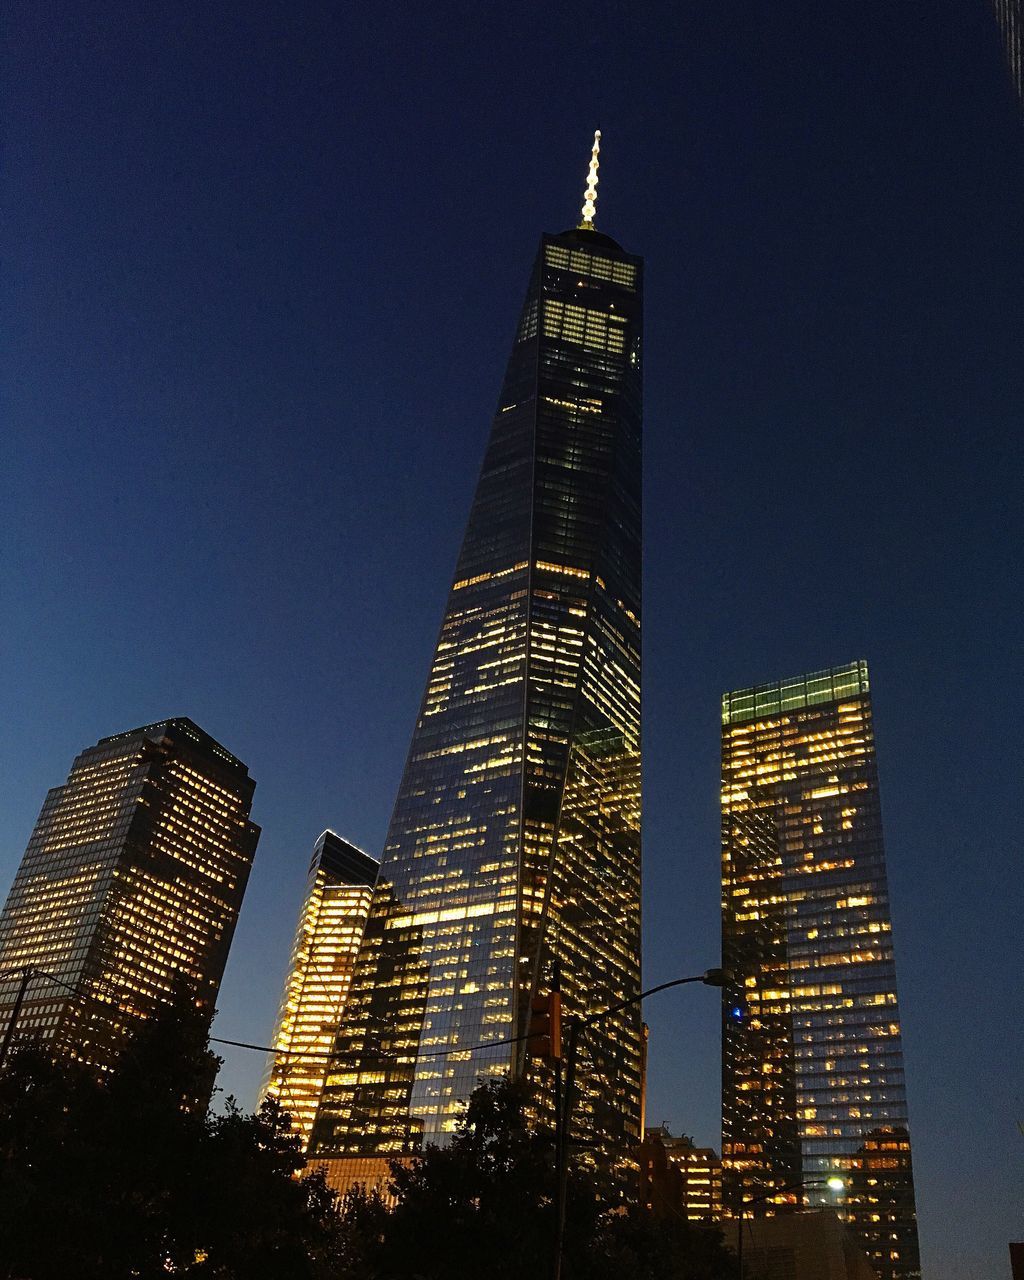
(1010, 15)
(331, 923)
(812, 1071)
(513, 852)
(132, 881)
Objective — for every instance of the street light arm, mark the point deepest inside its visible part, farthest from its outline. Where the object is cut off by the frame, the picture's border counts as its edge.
(710, 977)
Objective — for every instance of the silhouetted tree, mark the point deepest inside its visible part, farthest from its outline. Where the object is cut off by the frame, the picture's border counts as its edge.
(639, 1246)
(128, 1175)
(484, 1205)
(481, 1205)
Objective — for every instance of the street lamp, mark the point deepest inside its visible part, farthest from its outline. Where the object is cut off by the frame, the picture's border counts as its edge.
(833, 1183)
(710, 978)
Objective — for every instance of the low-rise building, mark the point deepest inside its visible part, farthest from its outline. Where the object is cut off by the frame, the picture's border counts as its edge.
(809, 1245)
(678, 1177)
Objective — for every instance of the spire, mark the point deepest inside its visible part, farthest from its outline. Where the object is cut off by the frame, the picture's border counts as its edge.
(590, 195)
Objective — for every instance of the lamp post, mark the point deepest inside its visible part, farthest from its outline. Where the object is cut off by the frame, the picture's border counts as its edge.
(833, 1184)
(710, 978)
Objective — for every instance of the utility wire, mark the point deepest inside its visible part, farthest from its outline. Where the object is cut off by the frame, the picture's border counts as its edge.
(433, 1053)
(266, 1048)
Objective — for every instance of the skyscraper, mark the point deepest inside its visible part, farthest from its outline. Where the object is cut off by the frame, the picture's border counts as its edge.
(514, 845)
(1010, 15)
(338, 892)
(132, 881)
(812, 1070)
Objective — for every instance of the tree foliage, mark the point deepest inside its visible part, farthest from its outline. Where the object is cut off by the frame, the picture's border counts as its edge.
(131, 1177)
(485, 1205)
(128, 1175)
(481, 1205)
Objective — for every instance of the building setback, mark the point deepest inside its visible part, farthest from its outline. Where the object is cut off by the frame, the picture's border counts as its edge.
(812, 1071)
(514, 845)
(131, 883)
(331, 923)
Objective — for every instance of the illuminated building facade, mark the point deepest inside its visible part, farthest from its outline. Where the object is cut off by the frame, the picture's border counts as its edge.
(812, 1079)
(131, 882)
(334, 911)
(700, 1178)
(1010, 15)
(680, 1179)
(514, 845)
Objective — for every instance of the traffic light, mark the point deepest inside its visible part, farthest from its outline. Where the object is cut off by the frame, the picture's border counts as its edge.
(544, 1039)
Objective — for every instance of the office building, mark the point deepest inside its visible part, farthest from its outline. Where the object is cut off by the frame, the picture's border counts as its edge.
(131, 884)
(513, 852)
(1010, 16)
(338, 892)
(700, 1177)
(679, 1179)
(812, 1079)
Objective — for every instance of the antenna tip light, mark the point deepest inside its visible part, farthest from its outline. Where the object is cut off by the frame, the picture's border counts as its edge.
(590, 195)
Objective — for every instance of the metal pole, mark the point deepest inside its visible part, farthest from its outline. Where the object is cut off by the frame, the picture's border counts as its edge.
(559, 1130)
(558, 1159)
(710, 978)
(575, 1027)
(26, 976)
(739, 1242)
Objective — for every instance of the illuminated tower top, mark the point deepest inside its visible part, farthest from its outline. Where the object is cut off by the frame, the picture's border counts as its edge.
(590, 195)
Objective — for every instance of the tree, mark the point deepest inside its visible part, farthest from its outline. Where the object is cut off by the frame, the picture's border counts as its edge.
(128, 1175)
(484, 1205)
(641, 1247)
(254, 1217)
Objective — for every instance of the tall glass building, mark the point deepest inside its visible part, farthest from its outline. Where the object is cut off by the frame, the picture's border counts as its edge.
(132, 880)
(331, 923)
(1010, 14)
(514, 846)
(812, 1069)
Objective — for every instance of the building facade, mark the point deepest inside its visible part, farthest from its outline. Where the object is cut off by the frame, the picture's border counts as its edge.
(131, 883)
(812, 1245)
(513, 852)
(679, 1179)
(812, 1080)
(1010, 15)
(700, 1178)
(331, 923)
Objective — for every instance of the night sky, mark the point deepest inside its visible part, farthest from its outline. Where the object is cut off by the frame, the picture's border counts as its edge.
(262, 268)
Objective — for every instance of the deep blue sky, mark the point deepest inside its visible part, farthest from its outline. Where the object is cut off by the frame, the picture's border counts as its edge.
(262, 266)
